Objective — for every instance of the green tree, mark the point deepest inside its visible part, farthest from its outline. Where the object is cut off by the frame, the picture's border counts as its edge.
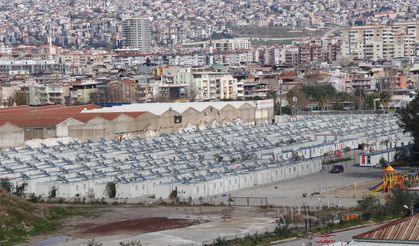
(408, 120)
(20, 189)
(370, 206)
(369, 101)
(111, 189)
(397, 202)
(385, 99)
(6, 185)
(342, 97)
(321, 93)
(53, 192)
(21, 98)
(360, 98)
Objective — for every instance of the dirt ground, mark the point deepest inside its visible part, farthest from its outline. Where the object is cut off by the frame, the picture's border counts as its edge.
(117, 223)
(142, 225)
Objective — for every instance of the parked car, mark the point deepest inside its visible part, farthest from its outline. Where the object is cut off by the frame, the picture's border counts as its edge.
(337, 169)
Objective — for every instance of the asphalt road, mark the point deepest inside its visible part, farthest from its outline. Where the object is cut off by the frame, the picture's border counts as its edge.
(336, 189)
(344, 236)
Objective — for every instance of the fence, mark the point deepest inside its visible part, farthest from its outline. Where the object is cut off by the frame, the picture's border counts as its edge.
(336, 112)
(248, 201)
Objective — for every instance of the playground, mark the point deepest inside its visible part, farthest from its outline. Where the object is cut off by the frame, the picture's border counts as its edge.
(393, 179)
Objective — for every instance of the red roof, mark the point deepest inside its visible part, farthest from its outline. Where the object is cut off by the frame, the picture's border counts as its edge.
(406, 229)
(50, 116)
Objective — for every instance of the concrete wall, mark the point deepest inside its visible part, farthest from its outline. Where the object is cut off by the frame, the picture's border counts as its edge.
(11, 136)
(39, 133)
(93, 129)
(62, 128)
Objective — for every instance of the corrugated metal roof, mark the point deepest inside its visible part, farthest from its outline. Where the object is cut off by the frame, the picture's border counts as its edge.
(160, 108)
(354, 243)
(50, 116)
(406, 229)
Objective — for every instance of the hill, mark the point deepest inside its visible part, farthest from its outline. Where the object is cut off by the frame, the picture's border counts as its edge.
(18, 218)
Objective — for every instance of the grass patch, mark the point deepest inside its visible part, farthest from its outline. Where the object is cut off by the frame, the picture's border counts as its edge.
(405, 163)
(274, 32)
(261, 42)
(256, 239)
(20, 219)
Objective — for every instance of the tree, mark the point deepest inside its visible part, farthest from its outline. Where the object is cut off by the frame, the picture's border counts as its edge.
(342, 97)
(53, 192)
(6, 185)
(360, 95)
(21, 98)
(20, 189)
(297, 92)
(321, 93)
(370, 206)
(111, 189)
(385, 99)
(408, 120)
(397, 200)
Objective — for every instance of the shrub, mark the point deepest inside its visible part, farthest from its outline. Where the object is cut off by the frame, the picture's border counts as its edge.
(111, 189)
(6, 185)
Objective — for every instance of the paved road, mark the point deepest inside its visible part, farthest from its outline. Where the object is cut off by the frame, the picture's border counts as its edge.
(344, 236)
(335, 189)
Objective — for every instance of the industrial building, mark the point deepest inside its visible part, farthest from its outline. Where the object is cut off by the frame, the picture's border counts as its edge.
(195, 162)
(91, 122)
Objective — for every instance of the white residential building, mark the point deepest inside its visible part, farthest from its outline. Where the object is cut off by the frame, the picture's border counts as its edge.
(137, 34)
(214, 85)
(381, 42)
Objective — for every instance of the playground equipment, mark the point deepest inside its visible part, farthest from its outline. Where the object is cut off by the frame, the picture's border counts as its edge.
(393, 180)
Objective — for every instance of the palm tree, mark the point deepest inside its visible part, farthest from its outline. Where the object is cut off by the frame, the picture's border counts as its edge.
(360, 94)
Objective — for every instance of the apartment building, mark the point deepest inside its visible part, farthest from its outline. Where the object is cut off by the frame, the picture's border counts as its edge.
(214, 85)
(229, 44)
(137, 34)
(380, 42)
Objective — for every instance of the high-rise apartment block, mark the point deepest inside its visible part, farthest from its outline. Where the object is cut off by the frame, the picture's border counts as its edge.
(137, 34)
(400, 40)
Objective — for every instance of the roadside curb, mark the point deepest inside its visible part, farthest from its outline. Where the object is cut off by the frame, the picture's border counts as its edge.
(282, 241)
